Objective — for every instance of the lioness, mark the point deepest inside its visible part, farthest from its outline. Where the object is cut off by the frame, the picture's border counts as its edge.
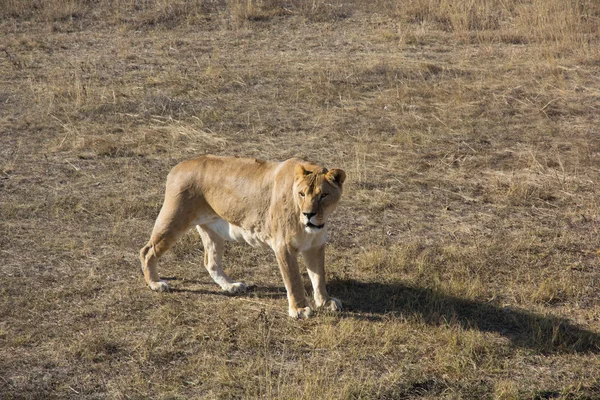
(283, 206)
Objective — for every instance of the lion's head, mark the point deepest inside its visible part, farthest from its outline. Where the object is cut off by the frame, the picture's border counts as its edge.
(317, 192)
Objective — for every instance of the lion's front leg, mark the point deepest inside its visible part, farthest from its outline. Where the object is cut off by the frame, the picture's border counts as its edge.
(315, 265)
(288, 265)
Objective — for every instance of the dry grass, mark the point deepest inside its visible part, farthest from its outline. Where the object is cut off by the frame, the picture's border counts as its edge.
(465, 248)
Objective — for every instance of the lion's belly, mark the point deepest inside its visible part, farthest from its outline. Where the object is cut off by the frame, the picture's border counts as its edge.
(232, 232)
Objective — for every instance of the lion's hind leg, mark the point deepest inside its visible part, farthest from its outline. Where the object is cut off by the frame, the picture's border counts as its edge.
(174, 219)
(149, 259)
(213, 255)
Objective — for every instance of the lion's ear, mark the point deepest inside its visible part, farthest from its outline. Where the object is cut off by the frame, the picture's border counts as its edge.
(300, 172)
(337, 176)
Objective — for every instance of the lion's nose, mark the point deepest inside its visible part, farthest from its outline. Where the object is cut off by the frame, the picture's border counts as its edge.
(309, 215)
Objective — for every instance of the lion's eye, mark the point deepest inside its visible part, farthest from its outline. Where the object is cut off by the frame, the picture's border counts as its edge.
(301, 194)
(324, 195)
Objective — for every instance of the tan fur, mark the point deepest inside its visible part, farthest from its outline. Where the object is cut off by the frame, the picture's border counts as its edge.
(262, 203)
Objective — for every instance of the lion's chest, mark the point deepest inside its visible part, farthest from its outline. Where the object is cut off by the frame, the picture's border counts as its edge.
(232, 232)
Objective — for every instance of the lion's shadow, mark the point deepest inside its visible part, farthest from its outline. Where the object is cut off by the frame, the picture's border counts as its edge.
(256, 291)
(378, 301)
(545, 334)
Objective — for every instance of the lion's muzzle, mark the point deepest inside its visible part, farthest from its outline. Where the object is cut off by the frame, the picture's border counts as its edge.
(310, 220)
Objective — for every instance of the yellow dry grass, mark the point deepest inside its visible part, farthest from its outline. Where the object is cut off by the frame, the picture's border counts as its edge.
(465, 248)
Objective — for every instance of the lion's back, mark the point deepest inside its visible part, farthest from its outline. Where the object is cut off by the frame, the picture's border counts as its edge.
(239, 190)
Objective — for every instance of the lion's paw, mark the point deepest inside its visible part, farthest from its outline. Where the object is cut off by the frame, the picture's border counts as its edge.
(237, 287)
(160, 286)
(332, 304)
(300, 313)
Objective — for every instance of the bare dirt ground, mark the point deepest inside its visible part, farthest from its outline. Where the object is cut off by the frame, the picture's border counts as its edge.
(465, 249)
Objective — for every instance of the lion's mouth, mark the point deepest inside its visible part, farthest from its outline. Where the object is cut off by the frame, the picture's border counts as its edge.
(311, 225)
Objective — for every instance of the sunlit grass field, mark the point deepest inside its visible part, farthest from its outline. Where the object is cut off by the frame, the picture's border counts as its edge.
(465, 248)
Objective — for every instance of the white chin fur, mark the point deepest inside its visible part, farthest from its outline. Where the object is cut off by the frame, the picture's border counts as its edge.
(310, 229)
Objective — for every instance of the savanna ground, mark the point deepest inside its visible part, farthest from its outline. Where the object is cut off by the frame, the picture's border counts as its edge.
(465, 248)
